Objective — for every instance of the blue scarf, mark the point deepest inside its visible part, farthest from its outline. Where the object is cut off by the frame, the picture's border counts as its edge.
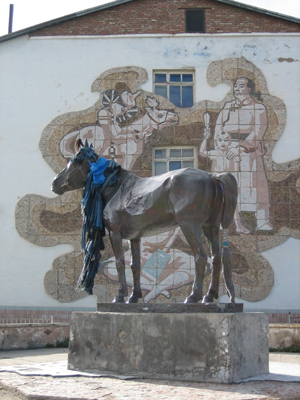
(97, 170)
(102, 173)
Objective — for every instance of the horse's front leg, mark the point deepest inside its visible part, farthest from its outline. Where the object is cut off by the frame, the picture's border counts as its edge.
(116, 242)
(136, 271)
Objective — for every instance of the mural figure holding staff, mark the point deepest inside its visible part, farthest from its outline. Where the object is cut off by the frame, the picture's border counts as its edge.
(241, 125)
(221, 162)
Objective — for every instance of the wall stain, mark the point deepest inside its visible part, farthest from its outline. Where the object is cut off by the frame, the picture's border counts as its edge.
(289, 60)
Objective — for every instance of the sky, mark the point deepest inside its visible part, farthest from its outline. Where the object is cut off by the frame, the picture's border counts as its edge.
(32, 12)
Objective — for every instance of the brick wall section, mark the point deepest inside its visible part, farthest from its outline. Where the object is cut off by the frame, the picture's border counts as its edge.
(168, 16)
(34, 316)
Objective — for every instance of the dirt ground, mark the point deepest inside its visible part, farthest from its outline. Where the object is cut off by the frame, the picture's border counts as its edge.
(6, 395)
(14, 386)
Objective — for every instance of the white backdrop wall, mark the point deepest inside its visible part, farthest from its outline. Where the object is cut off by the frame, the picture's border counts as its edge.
(41, 78)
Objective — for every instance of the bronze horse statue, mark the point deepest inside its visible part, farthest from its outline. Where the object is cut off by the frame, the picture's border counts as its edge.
(136, 207)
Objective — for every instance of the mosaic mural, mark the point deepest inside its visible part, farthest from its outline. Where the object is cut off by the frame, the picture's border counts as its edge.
(237, 134)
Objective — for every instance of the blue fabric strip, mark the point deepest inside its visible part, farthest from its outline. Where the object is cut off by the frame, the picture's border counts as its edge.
(103, 173)
(97, 170)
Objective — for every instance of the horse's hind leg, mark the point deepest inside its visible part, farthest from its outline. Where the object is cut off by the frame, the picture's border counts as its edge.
(212, 234)
(193, 237)
(227, 267)
(116, 242)
(136, 271)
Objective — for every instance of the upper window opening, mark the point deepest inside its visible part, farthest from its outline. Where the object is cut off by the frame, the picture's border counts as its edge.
(194, 21)
(175, 86)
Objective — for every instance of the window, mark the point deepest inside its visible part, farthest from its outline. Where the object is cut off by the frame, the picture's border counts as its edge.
(168, 159)
(177, 86)
(194, 21)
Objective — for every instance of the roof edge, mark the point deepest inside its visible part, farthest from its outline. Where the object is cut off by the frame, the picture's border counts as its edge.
(46, 24)
(260, 10)
(64, 18)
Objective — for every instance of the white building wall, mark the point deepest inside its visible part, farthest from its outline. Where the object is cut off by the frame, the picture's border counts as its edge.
(42, 78)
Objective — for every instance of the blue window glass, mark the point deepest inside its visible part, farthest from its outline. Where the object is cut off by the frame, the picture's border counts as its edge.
(176, 87)
(175, 153)
(187, 78)
(161, 91)
(175, 95)
(174, 165)
(175, 78)
(160, 153)
(160, 77)
(187, 96)
(187, 152)
(160, 167)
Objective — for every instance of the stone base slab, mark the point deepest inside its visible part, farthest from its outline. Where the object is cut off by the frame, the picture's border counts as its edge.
(203, 347)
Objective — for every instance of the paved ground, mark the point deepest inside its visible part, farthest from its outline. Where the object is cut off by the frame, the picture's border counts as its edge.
(41, 375)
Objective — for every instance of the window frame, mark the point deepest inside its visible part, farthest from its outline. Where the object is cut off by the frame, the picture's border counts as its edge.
(180, 84)
(168, 157)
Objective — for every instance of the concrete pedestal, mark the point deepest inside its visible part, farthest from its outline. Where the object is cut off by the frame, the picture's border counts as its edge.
(207, 347)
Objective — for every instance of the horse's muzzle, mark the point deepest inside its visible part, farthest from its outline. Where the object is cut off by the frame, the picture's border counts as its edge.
(56, 190)
(57, 186)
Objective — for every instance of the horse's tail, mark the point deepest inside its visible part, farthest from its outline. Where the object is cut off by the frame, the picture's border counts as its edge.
(229, 187)
(230, 192)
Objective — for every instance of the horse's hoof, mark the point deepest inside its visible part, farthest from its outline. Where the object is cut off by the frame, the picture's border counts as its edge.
(231, 297)
(118, 299)
(193, 298)
(137, 293)
(208, 298)
(132, 299)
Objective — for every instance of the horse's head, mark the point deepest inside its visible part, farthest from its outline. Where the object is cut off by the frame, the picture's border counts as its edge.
(74, 176)
(171, 118)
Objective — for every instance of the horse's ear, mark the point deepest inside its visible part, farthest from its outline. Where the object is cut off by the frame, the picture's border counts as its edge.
(78, 144)
(91, 146)
(86, 143)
